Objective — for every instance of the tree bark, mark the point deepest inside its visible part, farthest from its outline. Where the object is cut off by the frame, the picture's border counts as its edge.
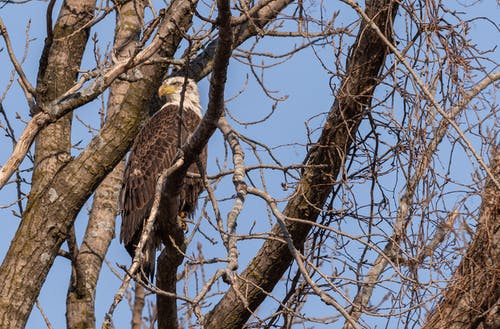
(50, 216)
(59, 65)
(166, 279)
(139, 301)
(354, 97)
(472, 298)
(80, 312)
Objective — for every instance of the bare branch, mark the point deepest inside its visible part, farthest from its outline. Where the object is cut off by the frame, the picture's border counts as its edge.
(316, 183)
(146, 232)
(65, 196)
(139, 295)
(424, 89)
(25, 82)
(44, 316)
(471, 299)
(391, 249)
(168, 262)
(241, 191)
(68, 102)
(268, 10)
(298, 257)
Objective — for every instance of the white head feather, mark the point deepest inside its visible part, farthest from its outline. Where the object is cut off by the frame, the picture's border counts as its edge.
(171, 89)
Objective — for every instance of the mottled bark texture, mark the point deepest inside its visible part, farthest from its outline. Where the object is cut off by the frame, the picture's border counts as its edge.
(80, 312)
(87, 264)
(139, 301)
(472, 298)
(51, 213)
(59, 65)
(366, 59)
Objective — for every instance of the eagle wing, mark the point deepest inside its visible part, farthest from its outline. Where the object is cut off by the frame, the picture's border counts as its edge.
(153, 151)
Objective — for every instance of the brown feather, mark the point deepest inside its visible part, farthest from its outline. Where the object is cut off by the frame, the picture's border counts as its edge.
(153, 151)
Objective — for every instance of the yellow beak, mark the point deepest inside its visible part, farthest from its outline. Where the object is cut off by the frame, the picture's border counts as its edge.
(165, 90)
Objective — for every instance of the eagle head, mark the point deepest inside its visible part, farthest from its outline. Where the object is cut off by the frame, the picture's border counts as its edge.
(171, 90)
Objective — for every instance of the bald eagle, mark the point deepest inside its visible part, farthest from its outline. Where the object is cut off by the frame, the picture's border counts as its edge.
(154, 150)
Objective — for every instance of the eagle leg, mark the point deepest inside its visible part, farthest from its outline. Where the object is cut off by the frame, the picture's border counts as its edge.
(182, 220)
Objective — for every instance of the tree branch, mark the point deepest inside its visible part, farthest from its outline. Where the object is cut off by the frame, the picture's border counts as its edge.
(266, 11)
(424, 89)
(272, 260)
(66, 103)
(298, 257)
(80, 303)
(169, 259)
(52, 213)
(471, 298)
(391, 249)
(25, 82)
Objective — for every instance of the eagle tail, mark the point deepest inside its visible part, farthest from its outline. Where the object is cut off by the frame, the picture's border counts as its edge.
(189, 195)
(147, 266)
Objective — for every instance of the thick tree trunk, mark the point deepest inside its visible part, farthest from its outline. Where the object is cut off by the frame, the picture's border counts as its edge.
(59, 66)
(51, 213)
(100, 231)
(472, 298)
(259, 278)
(80, 312)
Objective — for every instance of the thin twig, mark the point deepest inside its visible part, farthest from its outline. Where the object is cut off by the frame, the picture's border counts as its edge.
(68, 102)
(493, 77)
(44, 316)
(17, 66)
(298, 257)
(146, 232)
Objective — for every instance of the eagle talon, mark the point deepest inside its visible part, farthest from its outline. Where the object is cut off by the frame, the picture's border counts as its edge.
(182, 220)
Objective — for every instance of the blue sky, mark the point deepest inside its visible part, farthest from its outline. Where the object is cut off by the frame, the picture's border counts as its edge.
(302, 79)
